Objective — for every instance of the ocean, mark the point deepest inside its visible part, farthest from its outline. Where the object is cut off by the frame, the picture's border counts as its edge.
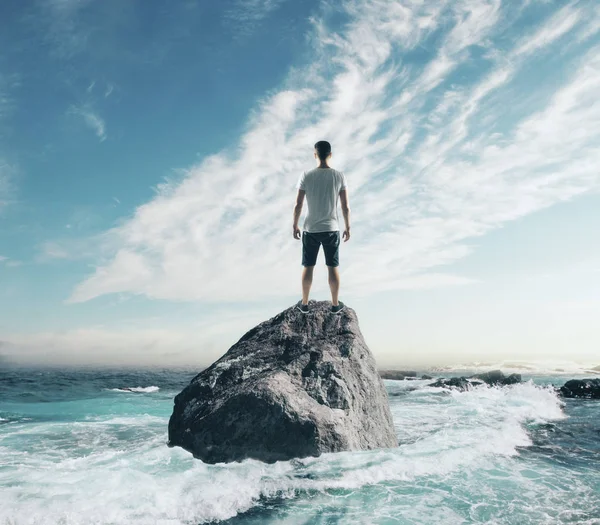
(78, 447)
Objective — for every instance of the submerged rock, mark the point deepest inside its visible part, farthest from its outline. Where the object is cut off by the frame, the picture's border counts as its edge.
(296, 385)
(585, 388)
(397, 374)
(460, 383)
(495, 377)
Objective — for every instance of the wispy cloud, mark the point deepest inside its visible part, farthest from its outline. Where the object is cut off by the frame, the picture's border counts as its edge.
(92, 120)
(246, 15)
(7, 178)
(428, 163)
(53, 250)
(8, 171)
(9, 263)
(66, 32)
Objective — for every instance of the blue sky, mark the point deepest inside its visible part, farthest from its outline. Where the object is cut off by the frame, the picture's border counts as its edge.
(149, 153)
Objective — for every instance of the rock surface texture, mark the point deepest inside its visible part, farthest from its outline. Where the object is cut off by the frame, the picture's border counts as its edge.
(294, 386)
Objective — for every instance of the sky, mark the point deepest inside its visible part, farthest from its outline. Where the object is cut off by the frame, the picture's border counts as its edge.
(149, 153)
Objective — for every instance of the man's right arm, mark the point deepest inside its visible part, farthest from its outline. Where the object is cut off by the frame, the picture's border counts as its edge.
(346, 212)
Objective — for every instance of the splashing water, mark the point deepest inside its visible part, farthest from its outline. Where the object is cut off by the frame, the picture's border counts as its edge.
(77, 448)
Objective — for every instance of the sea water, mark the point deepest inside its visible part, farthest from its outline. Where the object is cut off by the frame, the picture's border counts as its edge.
(89, 447)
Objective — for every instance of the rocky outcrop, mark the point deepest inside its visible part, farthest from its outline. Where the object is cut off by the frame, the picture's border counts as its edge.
(460, 383)
(398, 375)
(294, 386)
(583, 388)
(493, 378)
(496, 377)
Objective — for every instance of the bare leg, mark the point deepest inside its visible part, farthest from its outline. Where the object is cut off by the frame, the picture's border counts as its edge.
(307, 277)
(334, 284)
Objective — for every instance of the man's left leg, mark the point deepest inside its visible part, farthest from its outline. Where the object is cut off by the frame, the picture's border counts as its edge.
(331, 247)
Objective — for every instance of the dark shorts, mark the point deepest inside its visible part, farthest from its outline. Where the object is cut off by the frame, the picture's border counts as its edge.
(331, 247)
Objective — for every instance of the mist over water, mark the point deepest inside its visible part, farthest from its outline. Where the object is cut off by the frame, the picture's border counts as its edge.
(89, 447)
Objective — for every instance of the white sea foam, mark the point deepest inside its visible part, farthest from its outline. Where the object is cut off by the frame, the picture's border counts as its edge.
(138, 389)
(144, 481)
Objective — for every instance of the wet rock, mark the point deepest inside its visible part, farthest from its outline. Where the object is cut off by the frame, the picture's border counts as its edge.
(397, 374)
(459, 383)
(582, 388)
(496, 377)
(296, 385)
(493, 378)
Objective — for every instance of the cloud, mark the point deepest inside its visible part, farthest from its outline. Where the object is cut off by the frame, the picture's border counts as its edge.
(7, 178)
(92, 120)
(67, 31)
(8, 262)
(8, 170)
(431, 159)
(53, 250)
(97, 346)
(560, 24)
(133, 345)
(245, 16)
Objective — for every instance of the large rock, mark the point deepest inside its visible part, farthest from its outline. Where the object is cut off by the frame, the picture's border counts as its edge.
(585, 388)
(294, 386)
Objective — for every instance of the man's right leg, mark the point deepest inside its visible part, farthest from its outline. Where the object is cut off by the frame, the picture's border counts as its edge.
(307, 278)
(310, 250)
(334, 284)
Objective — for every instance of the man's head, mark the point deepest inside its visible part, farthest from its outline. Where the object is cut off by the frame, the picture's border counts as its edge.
(322, 150)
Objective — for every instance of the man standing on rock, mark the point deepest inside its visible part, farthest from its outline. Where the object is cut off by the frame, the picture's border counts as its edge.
(323, 187)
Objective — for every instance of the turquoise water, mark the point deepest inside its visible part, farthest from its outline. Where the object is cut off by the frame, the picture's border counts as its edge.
(76, 449)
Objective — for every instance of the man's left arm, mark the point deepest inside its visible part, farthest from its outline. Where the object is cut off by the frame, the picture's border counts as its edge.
(298, 212)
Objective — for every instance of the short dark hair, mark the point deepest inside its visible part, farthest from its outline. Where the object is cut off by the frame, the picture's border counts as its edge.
(323, 149)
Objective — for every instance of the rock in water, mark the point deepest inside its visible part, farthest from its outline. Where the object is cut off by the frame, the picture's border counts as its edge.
(585, 388)
(459, 383)
(493, 378)
(496, 377)
(294, 386)
(398, 375)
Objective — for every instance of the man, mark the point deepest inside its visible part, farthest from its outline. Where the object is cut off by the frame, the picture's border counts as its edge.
(323, 187)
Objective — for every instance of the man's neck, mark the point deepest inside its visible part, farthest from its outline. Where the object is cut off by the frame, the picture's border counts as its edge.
(323, 166)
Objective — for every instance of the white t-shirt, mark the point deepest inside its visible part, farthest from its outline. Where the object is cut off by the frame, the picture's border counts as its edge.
(322, 187)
